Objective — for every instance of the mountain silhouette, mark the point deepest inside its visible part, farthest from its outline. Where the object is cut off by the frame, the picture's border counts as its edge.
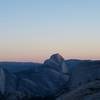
(55, 79)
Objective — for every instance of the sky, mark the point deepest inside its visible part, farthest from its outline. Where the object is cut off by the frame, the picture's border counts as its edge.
(32, 30)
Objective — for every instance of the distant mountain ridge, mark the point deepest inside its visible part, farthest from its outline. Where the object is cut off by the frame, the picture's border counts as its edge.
(33, 79)
(55, 78)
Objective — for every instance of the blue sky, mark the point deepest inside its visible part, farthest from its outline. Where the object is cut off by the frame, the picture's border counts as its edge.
(34, 29)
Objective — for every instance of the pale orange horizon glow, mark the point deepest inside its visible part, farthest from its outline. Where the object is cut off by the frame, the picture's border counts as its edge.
(41, 57)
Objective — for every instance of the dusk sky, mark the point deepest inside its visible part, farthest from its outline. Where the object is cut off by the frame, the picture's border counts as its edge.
(32, 30)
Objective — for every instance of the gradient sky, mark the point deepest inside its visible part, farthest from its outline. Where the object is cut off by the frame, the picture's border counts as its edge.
(32, 30)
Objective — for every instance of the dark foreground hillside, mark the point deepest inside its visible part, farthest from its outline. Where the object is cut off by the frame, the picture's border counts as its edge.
(55, 79)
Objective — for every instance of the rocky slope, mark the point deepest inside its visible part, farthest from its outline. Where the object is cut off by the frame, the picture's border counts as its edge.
(55, 79)
(47, 80)
(84, 83)
(90, 91)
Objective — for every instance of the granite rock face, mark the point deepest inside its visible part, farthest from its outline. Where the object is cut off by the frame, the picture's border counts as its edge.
(89, 91)
(47, 80)
(55, 79)
(84, 82)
